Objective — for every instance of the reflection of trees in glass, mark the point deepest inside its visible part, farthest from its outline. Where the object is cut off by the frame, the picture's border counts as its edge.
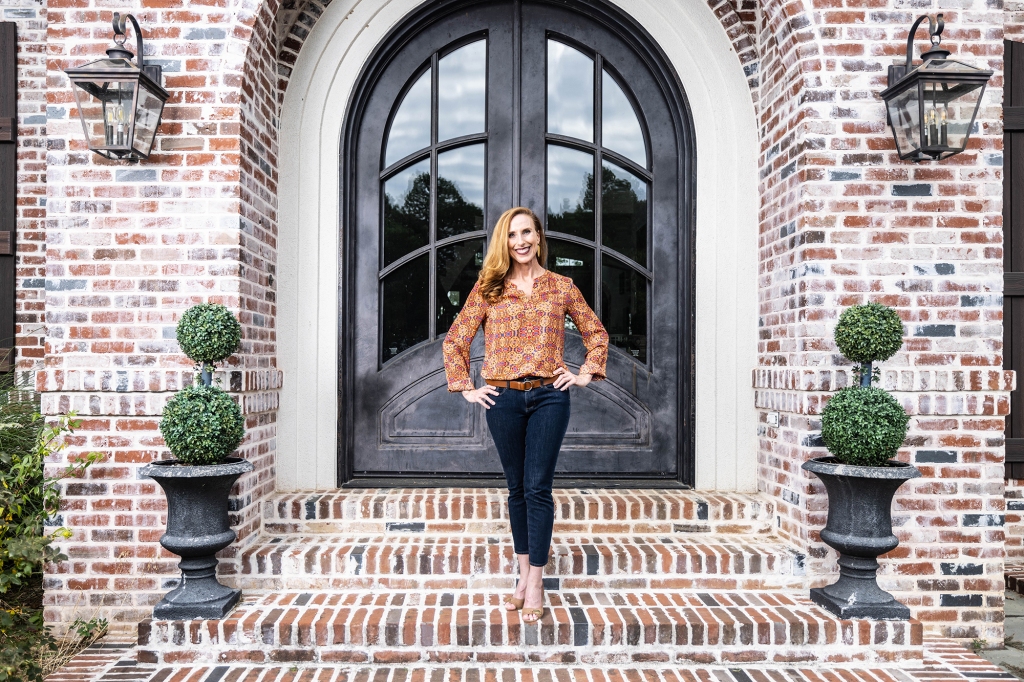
(405, 307)
(576, 220)
(407, 224)
(457, 267)
(455, 215)
(624, 214)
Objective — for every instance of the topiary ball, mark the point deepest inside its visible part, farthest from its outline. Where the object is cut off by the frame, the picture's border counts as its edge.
(202, 425)
(208, 332)
(869, 333)
(863, 426)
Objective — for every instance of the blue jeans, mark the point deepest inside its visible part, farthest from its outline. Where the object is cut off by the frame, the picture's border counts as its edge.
(528, 427)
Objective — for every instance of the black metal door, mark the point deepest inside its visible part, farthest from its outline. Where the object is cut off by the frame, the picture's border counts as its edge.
(1013, 248)
(469, 113)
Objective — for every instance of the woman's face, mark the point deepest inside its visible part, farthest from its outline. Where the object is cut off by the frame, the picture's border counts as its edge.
(523, 240)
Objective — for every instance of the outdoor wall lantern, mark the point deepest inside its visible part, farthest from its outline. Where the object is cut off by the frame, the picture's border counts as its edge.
(932, 108)
(118, 101)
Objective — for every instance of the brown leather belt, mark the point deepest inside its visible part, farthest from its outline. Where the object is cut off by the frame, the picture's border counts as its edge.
(527, 385)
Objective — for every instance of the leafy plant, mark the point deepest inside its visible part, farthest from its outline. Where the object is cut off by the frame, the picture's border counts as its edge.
(208, 333)
(869, 333)
(28, 498)
(863, 426)
(202, 425)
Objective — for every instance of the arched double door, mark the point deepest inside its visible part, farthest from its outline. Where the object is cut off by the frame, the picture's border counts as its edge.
(467, 110)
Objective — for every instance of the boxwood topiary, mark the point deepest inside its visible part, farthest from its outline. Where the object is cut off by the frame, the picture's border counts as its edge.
(202, 425)
(863, 426)
(208, 333)
(869, 333)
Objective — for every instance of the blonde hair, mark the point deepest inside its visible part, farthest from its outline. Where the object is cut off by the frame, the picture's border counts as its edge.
(497, 261)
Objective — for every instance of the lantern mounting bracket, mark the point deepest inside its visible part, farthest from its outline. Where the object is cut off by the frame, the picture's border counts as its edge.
(120, 37)
(935, 28)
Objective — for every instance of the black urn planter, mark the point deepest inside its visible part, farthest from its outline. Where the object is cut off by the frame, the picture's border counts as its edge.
(859, 527)
(197, 528)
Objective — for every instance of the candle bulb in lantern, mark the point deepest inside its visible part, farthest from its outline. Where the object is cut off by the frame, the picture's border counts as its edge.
(943, 133)
(933, 129)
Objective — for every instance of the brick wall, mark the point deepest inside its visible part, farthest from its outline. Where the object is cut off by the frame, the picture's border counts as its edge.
(128, 247)
(845, 222)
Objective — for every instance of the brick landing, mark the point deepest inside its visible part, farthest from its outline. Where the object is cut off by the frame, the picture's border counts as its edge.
(944, 661)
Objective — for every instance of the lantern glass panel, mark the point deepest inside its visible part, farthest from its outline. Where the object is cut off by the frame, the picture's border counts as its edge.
(105, 109)
(949, 109)
(147, 118)
(905, 117)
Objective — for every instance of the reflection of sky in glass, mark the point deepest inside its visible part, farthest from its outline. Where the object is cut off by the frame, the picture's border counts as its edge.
(411, 128)
(620, 129)
(399, 185)
(567, 179)
(570, 92)
(465, 168)
(461, 88)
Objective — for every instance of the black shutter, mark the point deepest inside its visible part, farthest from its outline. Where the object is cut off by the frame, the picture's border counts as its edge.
(8, 188)
(1013, 248)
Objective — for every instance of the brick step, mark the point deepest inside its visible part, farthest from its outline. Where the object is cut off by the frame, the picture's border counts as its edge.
(476, 510)
(417, 561)
(1014, 577)
(579, 626)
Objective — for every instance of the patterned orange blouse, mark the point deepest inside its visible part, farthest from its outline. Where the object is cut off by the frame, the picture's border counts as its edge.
(524, 335)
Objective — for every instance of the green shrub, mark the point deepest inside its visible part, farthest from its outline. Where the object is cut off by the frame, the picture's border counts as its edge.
(202, 425)
(28, 499)
(863, 426)
(208, 333)
(869, 333)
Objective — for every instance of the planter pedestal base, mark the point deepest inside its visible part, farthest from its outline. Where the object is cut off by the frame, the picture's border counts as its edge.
(199, 594)
(857, 595)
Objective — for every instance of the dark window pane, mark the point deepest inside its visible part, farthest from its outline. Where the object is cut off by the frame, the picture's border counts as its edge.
(570, 92)
(407, 211)
(457, 268)
(624, 307)
(570, 192)
(624, 212)
(460, 191)
(410, 129)
(576, 262)
(405, 308)
(620, 128)
(461, 89)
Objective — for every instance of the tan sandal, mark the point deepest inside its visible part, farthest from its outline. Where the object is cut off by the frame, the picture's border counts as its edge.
(539, 613)
(518, 603)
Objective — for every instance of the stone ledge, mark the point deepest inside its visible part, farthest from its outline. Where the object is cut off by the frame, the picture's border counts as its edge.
(152, 380)
(893, 379)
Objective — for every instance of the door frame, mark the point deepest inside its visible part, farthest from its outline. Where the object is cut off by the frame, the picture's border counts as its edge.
(670, 85)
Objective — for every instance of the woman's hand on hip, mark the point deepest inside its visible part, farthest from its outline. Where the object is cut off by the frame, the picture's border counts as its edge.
(564, 379)
(481, 395)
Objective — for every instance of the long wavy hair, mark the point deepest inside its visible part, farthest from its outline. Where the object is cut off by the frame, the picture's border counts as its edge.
(497, 261)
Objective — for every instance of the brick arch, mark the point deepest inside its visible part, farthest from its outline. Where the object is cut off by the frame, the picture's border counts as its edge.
(296, 23)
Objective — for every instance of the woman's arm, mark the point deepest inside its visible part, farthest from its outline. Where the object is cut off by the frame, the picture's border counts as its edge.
(595, 338)
(455, 348)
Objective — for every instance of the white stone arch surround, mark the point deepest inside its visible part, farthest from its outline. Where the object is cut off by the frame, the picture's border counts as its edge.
(312, 119)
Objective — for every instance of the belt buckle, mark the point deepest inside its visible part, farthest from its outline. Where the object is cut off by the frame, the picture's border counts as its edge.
(528, 385)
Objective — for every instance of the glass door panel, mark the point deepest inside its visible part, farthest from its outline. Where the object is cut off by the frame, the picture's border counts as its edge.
(624, 212)
(410, 128)
(457, 268)
(406, 211)
(570, 92)
(404, 306)
(462, 92)
(570, 192)
(460, 191)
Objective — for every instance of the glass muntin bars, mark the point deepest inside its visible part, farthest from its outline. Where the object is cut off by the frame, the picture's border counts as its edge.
(598, 188)
(433, 185)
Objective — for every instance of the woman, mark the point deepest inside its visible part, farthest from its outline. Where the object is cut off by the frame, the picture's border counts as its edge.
(523, 309)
